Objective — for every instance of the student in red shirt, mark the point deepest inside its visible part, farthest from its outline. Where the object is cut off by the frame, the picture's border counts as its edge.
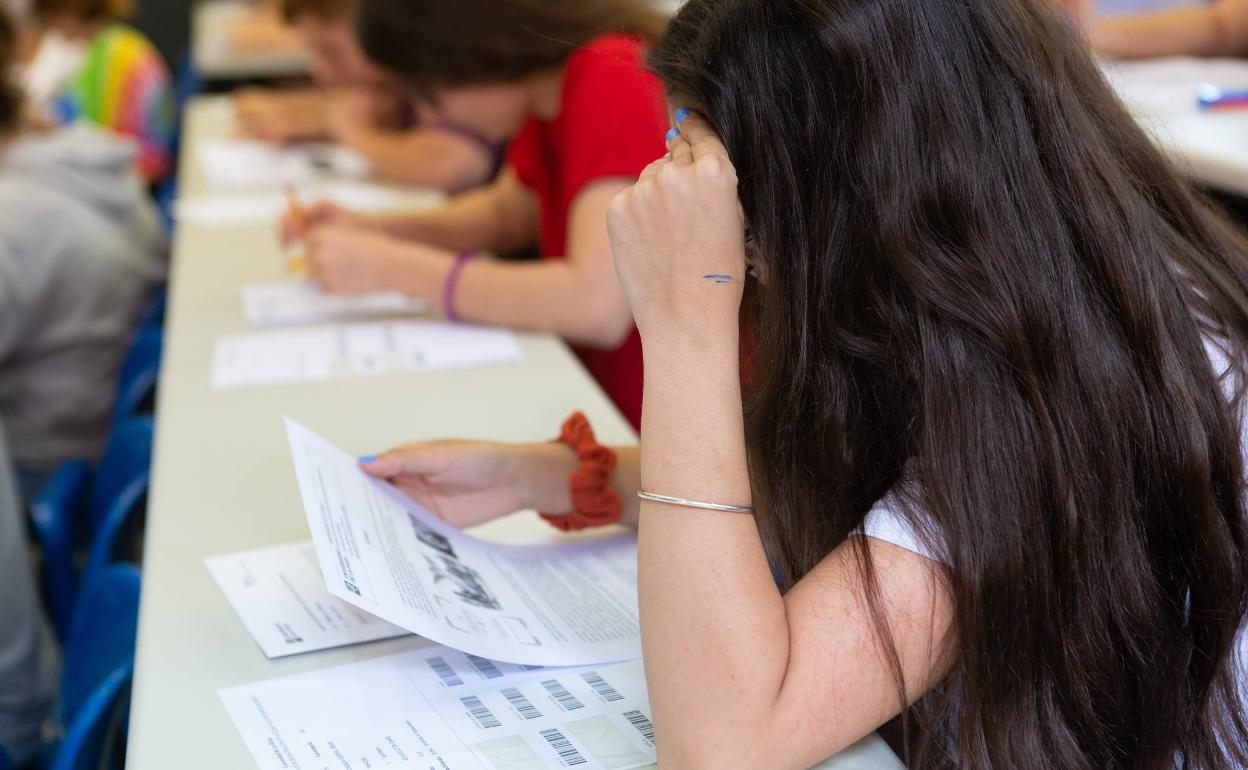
(569, 85)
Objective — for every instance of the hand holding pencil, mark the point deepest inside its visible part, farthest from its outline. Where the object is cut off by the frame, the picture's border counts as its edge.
(299, 220)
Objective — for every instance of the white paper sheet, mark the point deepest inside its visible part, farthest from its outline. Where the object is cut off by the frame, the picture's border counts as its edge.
(280, 596)
(292, 303)
(438, 709)
(317, 354)
(567, 604)
(249, 208)
(236, 163)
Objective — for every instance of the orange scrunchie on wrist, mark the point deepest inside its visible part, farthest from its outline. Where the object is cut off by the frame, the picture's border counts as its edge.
(594, 502)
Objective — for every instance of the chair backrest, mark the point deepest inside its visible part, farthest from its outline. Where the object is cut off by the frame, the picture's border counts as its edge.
(102, 635)
(58, 516)
(121, 477)
(90, 737)
(140, 369)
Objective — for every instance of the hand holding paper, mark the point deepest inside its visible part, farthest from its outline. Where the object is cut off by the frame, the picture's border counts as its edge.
(562, 605)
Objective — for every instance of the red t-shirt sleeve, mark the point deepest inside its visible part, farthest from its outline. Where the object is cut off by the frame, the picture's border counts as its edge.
(614, 119)
(524, 154)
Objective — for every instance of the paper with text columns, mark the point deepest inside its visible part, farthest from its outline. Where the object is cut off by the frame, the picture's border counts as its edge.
(558, 605)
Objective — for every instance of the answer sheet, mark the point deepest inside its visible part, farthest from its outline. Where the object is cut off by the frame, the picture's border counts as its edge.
(440, 709)
(290, 303)
(559, 605)
(280, 596)
(317, 354)
(250, 208)
(236, 163)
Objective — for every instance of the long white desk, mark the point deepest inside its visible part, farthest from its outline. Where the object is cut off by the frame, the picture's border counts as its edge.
(223, 482)
(1210, 147)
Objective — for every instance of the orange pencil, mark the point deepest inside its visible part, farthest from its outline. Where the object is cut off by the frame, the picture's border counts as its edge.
(296, 265)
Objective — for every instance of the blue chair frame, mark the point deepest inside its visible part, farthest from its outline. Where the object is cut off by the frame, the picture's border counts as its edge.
(140, 369)
(99, 665)
(101, 504)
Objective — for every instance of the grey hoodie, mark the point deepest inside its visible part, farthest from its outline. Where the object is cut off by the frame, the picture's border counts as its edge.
(80, 251)
(28, 654)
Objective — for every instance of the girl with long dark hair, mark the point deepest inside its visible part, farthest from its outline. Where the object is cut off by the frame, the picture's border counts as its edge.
(989, 423)
(565, 82)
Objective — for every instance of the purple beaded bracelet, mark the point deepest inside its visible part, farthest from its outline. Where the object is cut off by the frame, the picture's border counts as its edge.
(452, 280)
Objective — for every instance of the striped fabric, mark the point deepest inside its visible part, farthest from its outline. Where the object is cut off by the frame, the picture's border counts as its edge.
(124, 86)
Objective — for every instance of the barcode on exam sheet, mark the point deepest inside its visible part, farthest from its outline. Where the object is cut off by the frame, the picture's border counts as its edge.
(520, 703)
(642, 723)
(566, 700)
(480, 712)
(484, 667)
(604, 690)
(445, 672)
(563, 747)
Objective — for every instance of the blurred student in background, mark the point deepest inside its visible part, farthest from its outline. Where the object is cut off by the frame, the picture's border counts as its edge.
(358, 106)
(91, 67)
(80, 251)
(28, 657)
(1173, 28)
(567, 81)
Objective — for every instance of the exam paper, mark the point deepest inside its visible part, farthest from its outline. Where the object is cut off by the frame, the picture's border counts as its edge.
(562, 605)
(439, 709)
(290, 303)
(247, 163)
(248, 208)
(280, 596)
(317, 354)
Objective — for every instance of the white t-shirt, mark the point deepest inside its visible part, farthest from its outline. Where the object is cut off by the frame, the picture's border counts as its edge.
(887, 522)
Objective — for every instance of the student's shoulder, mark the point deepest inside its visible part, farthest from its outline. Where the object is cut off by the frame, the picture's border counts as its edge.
(610, 55)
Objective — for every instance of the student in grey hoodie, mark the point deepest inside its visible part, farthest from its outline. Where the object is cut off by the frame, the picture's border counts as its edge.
(81, 249)
(28, 656)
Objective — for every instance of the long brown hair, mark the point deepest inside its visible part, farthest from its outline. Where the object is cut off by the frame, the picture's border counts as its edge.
(985, 290)
(10, 95)
(460, 42)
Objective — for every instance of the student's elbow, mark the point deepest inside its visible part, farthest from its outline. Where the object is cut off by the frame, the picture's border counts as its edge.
(696, 750)
(606, 327)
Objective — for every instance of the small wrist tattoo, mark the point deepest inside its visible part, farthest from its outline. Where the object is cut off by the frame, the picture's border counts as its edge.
(719, 278)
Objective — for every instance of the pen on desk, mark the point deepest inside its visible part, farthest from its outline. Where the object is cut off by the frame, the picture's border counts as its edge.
(1211, 97)
(296, 265)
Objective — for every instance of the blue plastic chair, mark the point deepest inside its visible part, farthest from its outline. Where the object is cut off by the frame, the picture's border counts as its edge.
(6, 762)
(154, 312)
(56, 517)
(99, 664)
(118, 489)
(102, 636)
(140, 370)
(78, 506)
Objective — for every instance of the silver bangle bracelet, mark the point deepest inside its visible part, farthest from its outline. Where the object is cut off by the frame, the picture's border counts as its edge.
(683, 503)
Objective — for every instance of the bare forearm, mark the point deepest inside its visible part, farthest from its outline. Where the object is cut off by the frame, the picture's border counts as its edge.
(714, 629)
(421, 158)
(468, 223)
(552, 296)
(1198, 31)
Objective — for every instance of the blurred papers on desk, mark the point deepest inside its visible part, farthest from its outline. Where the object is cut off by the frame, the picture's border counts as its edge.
(302, 303)
(253, 208)
(317, 354)
(243, 163)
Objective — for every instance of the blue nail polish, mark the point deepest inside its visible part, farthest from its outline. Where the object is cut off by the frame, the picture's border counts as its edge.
(681, 114)
(368, 459)
(671, 135)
